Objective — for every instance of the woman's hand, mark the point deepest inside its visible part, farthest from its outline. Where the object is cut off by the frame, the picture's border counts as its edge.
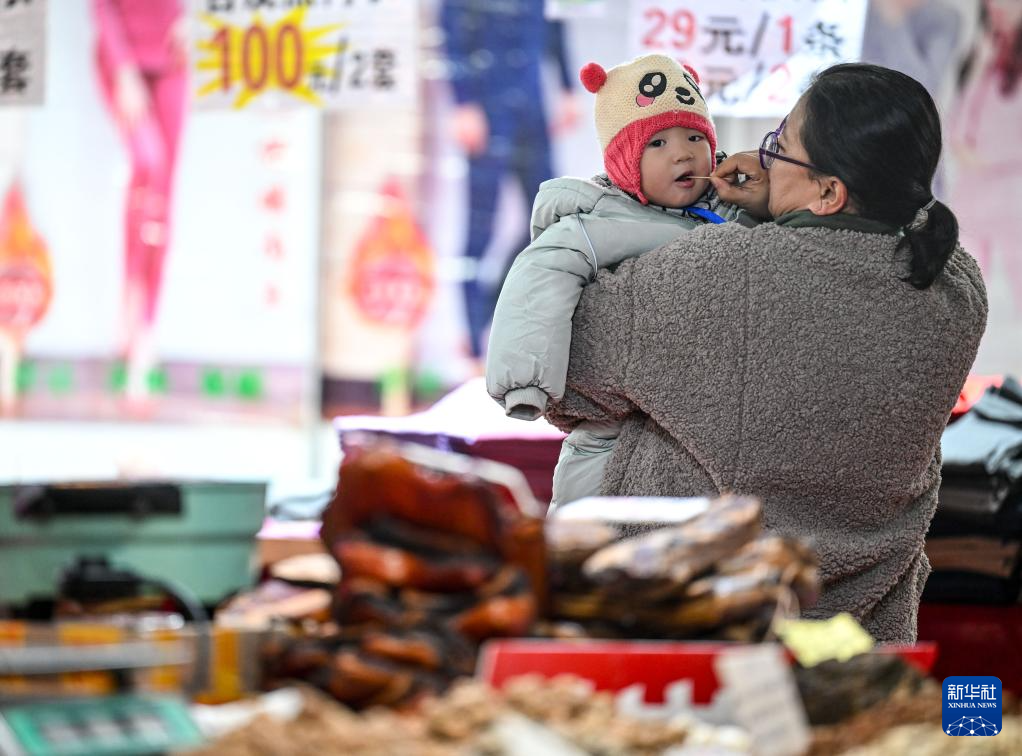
(753, 194)
(130, 96)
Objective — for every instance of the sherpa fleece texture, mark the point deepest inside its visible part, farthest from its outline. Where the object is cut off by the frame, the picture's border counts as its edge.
(792, 364)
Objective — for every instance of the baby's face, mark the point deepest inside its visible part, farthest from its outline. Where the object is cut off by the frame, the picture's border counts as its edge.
(670, 157)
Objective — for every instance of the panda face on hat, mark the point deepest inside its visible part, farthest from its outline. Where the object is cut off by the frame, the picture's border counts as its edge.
(654, 84)
(637, 99)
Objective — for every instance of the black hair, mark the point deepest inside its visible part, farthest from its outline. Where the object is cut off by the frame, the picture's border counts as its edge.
(878, 130)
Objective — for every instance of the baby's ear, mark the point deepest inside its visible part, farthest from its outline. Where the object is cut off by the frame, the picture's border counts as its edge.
(592, 77)
(692, 71)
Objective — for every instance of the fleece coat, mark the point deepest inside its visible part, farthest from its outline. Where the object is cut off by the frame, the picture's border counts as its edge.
(795, 364)
(578, 227)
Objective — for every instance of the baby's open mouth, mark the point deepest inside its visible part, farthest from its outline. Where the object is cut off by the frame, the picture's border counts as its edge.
(685, 179)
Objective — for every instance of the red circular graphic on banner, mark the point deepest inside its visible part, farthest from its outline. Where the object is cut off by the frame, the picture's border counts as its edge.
(392, 278)
(392, 290)
(24, 296)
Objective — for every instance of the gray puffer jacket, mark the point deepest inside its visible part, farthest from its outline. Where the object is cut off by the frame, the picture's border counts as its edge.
(578, 227)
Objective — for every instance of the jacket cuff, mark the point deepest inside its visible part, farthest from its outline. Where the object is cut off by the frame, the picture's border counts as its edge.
(526, 403)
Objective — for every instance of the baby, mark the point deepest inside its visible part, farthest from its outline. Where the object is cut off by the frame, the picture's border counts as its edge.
(659, 145)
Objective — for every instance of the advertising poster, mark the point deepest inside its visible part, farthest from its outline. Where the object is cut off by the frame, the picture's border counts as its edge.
(159, 263)
(968, 54)
(333, 55)
(498, 110)
(754, 56)
(23, 52)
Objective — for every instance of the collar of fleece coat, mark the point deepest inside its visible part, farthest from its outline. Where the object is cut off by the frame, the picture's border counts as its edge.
(839, 221)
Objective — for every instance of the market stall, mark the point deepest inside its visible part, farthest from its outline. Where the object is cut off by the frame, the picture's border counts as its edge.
(441, 613)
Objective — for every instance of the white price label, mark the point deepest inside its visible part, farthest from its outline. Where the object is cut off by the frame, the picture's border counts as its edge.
(760, 687)
(754, 57)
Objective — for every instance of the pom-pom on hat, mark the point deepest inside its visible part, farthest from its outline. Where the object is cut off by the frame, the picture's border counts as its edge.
(637, 99)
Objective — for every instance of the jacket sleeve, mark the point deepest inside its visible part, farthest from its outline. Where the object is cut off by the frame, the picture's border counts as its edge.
(530, 338)
(527, 357)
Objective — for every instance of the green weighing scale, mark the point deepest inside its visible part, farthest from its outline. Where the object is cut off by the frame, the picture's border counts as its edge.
(117, 725)
(123, 725)
(198, 534)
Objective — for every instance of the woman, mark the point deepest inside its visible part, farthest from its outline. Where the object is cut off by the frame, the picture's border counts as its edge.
(141, 48)
(812, 361)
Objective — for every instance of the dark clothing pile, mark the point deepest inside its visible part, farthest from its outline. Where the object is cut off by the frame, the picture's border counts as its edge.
(974, 541)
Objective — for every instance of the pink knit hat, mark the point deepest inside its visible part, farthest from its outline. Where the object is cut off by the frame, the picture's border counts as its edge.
(634, 101)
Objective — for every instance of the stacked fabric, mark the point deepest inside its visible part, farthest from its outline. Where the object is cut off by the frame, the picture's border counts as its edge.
(975, 539)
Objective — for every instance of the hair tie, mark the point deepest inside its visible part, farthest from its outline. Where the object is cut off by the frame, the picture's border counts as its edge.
(921, 216)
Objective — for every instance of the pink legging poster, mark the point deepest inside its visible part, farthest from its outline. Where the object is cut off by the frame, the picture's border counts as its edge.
(142, 69)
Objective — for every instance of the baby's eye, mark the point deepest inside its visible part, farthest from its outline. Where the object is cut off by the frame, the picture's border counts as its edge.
(657, 143)
(696, 138)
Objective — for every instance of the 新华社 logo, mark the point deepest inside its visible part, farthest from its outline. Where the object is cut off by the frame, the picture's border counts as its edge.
(972, 705)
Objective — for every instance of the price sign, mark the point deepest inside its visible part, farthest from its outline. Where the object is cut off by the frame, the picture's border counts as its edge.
(761, 692)
(813, 641)
(22, 52)
(330, 54)
(755, 57)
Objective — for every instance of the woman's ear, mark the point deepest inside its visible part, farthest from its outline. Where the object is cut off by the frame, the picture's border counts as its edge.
(833, 197)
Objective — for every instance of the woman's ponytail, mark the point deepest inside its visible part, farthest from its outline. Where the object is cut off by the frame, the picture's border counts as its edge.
(887, 156)
(932, 236)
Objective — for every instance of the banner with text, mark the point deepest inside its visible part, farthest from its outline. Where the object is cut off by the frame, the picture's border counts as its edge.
(329, 55)
(22, 52)
(159, 264)
(754, 57)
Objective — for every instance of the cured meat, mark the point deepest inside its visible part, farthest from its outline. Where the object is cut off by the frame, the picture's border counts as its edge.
(359, 557)
(670, 558)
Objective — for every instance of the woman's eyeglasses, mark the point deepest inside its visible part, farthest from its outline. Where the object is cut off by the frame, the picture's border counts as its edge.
(768, 151)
